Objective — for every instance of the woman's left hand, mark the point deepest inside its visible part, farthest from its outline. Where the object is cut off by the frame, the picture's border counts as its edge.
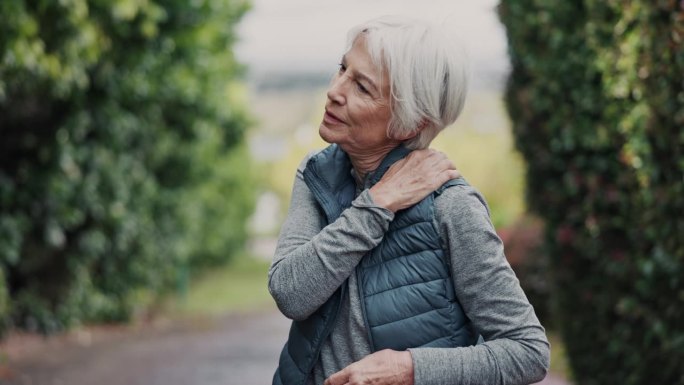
(386, 367)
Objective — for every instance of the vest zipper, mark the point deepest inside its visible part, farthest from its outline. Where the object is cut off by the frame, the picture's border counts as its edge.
(327, 330)
(362, 299)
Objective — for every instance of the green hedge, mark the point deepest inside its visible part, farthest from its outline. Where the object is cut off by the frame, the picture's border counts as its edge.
(596, 96)
(121, 163)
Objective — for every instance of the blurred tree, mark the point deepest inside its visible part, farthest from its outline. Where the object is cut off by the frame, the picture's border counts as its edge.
(597, 100)
(121, 164)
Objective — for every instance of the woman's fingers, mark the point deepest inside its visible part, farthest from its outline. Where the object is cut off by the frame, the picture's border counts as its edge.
(339, 378)
(386, 367)
(449, 175)
(413, 178)
(433, 166)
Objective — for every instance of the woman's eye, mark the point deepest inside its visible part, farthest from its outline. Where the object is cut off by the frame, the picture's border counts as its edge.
(342, 67)
(362, 88)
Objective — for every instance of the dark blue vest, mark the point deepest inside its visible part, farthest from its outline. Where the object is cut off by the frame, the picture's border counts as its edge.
(407, 295)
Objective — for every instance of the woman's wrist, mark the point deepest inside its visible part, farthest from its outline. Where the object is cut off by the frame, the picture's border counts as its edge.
(406, 363)
(381, 199)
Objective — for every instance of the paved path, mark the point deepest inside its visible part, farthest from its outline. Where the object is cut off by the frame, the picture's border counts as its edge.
(232, 350)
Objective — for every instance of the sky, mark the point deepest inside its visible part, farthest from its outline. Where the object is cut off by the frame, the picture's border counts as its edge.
(300, 36)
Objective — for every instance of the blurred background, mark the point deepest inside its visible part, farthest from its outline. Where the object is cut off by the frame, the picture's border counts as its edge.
(148, 150)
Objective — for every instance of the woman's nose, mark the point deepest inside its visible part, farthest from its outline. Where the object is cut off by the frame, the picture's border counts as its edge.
(336, 90)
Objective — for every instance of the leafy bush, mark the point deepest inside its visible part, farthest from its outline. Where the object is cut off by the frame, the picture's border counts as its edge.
(120, 159)
(597, 100)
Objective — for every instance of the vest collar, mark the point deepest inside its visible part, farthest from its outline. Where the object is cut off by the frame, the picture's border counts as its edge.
(328, 175)
(392, 157)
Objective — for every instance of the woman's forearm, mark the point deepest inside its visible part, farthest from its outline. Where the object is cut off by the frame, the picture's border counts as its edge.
(501, 361)
(313, 259)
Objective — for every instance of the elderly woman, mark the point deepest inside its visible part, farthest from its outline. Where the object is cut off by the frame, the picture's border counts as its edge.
(387, 262)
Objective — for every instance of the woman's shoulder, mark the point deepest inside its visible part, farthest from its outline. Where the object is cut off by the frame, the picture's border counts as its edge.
(460, 201)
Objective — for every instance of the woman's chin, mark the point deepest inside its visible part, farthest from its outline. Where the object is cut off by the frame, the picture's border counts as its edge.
(327, 134)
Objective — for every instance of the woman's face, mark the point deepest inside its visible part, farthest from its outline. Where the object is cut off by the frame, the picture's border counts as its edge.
(357, 112)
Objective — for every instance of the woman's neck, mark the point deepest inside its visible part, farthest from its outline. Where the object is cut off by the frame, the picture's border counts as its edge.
(369, 161)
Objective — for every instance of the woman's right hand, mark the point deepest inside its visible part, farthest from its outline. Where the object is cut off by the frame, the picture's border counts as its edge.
(411, 179)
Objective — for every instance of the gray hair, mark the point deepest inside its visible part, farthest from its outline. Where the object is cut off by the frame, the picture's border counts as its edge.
(428, 74)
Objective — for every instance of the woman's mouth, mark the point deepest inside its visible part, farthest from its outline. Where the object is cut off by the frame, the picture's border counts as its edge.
(331, 118)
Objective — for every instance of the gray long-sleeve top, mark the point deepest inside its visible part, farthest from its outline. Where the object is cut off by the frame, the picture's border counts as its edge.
(312, 260)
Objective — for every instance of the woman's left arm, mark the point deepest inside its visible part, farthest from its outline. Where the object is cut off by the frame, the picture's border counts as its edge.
(516, 350)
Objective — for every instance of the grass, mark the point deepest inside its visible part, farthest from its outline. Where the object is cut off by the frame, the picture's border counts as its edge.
(559, 361)
(241, 286)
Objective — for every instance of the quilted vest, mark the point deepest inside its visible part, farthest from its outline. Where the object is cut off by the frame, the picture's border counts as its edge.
(405, 286)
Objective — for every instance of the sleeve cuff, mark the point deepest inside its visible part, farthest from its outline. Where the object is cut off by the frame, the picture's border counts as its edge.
(433, 366)
(419, 359)
(364, 200)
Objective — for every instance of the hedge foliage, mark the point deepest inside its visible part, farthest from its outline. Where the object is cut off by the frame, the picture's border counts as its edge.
(596, 96)
(121, 163)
